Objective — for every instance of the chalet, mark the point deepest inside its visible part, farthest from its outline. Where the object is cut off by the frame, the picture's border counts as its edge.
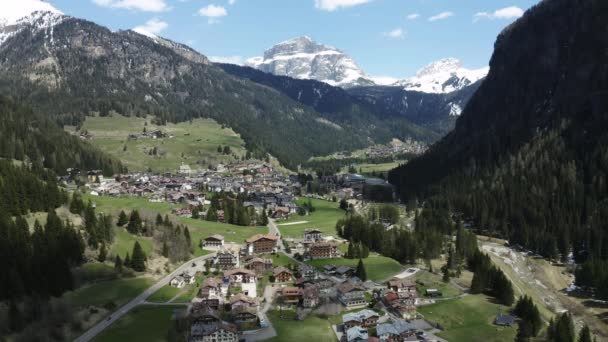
(259, 265)
(323, 250)
(240, 299)
(188, 278)
(404, 288)
(398, 330)
(243, 314)
(226, 260)
(210, 292)
(504, 320)
(310, 296)
(223, 331)
(282, 274)
(364, 318)
(308, 272)
(351, 295)
(177, 281)
(291, 295)
(433, 293)
(281, 213)
(313, 235)
(240, 275)
(185, 169)
(261, 244)
(203, 314)
(356, 334)
(215, 241)
(344, 271)
(404, 307)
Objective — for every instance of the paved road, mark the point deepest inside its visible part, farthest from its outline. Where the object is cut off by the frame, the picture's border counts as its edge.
(273, 229)
(141, 299)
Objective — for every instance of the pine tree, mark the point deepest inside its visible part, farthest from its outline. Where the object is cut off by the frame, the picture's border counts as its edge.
(102, 253)
(135, 223)
(188, 239)
(350, 251)
(159, 219)
(165, 251)
(585, 334)
(122, 219)
(138, 259)
(446, 273)
(127, 262)
(118, 264)
(264, 219)
(361, 273)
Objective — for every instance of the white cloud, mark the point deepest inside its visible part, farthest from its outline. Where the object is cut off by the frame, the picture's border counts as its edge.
(512, 12)
(152, 27)
(332, 5)
(413, 16)
(231, 2)
(139, 5)
(227, 59)
(395, 34)
(213, 12)
(441, 16)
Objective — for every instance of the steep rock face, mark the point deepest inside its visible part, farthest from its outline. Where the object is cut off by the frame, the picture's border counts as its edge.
(527, 159)
(304, 58)
(441, 77)
(549, 66)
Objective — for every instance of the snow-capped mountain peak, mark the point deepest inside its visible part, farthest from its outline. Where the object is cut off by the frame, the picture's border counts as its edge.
(443, 76)
(36, 14)
(303, 58)
(13, 11)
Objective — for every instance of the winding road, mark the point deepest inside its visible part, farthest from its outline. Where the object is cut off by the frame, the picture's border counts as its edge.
(141, 299)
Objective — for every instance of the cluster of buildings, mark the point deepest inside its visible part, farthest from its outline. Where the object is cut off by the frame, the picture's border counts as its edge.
(396, 147)
(268, 189)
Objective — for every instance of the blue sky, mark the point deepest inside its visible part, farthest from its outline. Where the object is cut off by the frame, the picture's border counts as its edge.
(386, 37)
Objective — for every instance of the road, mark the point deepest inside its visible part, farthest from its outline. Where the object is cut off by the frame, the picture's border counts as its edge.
(141, 299)
(273, 229)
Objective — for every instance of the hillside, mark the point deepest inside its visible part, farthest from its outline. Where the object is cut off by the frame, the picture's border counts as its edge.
(337, 105)
(527, 159)
(75, 68)
(29, 136)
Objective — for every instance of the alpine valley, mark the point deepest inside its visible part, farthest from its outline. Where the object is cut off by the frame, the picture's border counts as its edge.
(151, 193)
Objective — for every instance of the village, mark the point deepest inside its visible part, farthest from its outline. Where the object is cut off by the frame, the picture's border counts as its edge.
(228, 300)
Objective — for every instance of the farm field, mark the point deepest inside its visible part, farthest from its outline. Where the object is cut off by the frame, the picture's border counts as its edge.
(324, 218)
(366, 168)
(468, 319)
(378, 268)
(192, 143)
(143, 323)
(310, 329)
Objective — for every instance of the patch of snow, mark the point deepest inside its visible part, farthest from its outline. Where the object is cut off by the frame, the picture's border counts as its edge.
(444, 76)
(455, 109)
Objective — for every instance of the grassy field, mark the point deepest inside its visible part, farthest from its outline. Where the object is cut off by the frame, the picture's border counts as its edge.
(377, 168)
(198, 229)
(193, 142)
(164, 294)
(324, 218)
(468, 319)
(117, 292)
(378, 268)
(124, 241)
(201, 229)
(310, 329)
(143, 323)
(426, 280)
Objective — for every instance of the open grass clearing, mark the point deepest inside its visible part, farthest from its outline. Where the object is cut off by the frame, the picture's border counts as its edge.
(193, 142)
(144, 323)
(427, 280)
(469, 319)
(112, 292)
(378, 268)
(310, 329)
(324, 218)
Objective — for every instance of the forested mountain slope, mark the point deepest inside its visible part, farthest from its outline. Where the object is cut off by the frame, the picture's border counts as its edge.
(34, 137)
(75, 67)
(528, 158)
(336, 104)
